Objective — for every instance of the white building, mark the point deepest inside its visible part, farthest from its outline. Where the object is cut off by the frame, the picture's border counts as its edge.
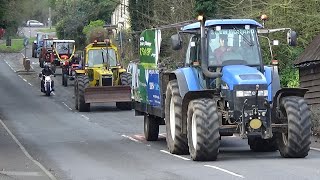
(120, 15)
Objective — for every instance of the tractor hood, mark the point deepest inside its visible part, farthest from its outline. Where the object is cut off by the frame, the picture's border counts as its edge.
(240, 74)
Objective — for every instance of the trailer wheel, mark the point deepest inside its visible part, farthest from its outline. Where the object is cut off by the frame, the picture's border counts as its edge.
(125, 79)
(203, 130)
(151, 128)
(295, 143)
(176, 141)
(257, 144)
(83, 83)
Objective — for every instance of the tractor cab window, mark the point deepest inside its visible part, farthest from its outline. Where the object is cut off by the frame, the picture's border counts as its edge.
(102, 56)
(64, 47)
(48, 43)
(193, 51)
(232, 45)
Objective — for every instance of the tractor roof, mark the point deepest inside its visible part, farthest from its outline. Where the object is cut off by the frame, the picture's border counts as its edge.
(215, 22)
(63, 40)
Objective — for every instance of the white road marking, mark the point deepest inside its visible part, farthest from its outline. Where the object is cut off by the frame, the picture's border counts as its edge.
(67, 106)
(30, 84)
(20, 173)
(24, 80)
(315, 149)
(224, 170)
(27, 154)
(131, 138)
(186, 159)
(53, 93)
(85, 117)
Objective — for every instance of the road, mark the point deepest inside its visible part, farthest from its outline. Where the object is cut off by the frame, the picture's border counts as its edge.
(108, 144)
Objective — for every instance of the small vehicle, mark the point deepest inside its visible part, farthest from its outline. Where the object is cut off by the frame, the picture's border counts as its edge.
(34, 23)
(47, 84)
(46, 53)
(38, 43)
(63, 51)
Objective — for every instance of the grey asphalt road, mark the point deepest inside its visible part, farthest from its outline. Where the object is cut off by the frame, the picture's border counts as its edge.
(108, 144)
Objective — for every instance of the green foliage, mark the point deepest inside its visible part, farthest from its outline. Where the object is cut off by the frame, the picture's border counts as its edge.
(206, 7)
(16, 46)
(96, 33)
(92, 25)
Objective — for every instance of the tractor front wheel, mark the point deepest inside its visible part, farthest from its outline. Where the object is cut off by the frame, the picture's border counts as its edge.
(203, 130)
(125, 79)
(82, 83)
(295, 143)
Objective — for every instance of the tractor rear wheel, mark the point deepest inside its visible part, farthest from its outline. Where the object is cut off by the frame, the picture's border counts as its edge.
(41, 63)
(151, 128)
(125, 79)
(33, 49)
(295, 143)
(203, 130)
(82, 83)
(176, 141)
(257, 144)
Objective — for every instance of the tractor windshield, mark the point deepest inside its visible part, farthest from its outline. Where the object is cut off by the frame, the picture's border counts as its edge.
(233, 46)
(64, 47)
(98, 56)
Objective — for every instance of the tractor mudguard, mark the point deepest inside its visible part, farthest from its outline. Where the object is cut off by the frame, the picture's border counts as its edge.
(284, 92)
(273, 80)
(187, 80)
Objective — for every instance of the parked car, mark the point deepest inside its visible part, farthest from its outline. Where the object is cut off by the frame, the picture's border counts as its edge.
(34, 23)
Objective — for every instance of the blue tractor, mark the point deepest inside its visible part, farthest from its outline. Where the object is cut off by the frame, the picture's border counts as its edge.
(225, 89)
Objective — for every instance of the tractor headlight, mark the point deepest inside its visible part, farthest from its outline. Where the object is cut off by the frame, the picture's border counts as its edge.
(251, 93)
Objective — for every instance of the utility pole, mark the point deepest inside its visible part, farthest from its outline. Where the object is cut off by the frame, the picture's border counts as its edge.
(49, 19)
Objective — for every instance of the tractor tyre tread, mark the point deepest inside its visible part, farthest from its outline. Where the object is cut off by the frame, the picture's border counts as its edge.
(83, 83)
(207, 129)
(297, 143)
(180, 143)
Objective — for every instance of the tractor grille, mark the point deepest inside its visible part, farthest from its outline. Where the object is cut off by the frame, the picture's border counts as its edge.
(106, 81)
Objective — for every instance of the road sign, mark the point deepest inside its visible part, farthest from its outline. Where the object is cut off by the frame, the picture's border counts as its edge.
(25, 41)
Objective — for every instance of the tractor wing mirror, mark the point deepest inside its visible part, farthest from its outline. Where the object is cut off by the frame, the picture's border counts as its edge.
(176, 42)
(292, 38)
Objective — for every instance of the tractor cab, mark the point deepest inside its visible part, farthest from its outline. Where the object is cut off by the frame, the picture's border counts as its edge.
(63, 50)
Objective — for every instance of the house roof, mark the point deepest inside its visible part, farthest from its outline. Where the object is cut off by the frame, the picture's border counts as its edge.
(215, 22)
(310, 54)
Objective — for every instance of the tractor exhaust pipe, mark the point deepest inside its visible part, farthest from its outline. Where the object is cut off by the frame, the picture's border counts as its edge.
(204, 58)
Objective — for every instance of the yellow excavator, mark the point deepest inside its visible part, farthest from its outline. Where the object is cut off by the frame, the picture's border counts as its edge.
(101, 78)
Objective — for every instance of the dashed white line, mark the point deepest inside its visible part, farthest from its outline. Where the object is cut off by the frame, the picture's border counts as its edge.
(131, 138)
(24, 80)
(224, 170)
(30, 84)
(315, 149)
(27, 154)
(85, 117)
(67, 106)
(53, 93)
(186, 159)
(20, 173)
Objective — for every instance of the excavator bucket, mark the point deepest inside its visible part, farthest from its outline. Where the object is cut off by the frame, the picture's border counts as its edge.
(105, 94)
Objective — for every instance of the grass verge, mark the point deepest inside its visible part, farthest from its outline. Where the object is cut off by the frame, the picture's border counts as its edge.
(16, 45)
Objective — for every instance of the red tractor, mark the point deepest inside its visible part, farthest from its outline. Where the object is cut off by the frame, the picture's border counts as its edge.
(46, 53)
(63, 55)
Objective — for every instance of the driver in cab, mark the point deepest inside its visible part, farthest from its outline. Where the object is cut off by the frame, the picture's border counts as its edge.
(220, 51)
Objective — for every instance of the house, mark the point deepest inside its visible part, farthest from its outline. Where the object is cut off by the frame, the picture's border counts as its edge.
(120, 15)
(309, 71)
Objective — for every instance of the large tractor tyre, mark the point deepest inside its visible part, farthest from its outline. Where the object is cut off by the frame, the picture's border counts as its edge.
(151, 128)
(64, 79)
(125, 79)
(48, 89)
(76, 95)
(124, 105)
(83, 83)
(295, 143)
(176, 141)
(257, 144)
(203, 129)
